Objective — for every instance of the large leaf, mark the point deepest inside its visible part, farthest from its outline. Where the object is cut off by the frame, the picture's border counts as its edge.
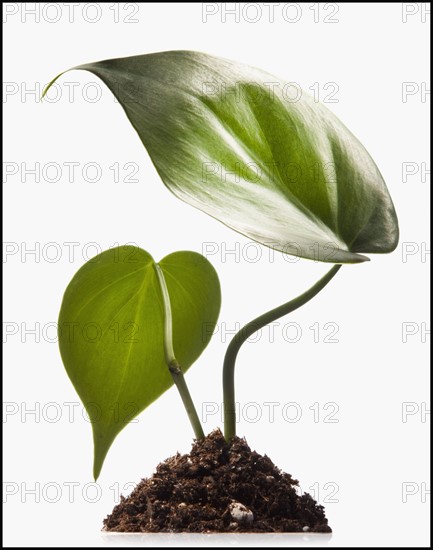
(230, 140)
(111, 332)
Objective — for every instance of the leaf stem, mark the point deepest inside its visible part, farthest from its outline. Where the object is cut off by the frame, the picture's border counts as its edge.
(248, 330)
(173, 366)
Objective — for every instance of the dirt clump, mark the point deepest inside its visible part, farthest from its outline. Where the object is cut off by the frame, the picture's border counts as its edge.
(218, 487)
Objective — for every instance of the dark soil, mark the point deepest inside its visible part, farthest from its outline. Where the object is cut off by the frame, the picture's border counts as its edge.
(218, 487)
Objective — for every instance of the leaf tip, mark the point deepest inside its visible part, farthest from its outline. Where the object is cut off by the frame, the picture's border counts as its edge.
(96, 471)
(102, 441)
(48, 86)
(363, 258)
(98, 461)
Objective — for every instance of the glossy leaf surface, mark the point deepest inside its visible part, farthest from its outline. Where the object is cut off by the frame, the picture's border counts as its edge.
(248, 149)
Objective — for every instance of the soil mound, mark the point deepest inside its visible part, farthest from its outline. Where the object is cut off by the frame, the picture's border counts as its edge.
(218, 487)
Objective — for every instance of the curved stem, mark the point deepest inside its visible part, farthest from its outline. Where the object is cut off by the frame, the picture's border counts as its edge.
(247, 331)
(172, 364)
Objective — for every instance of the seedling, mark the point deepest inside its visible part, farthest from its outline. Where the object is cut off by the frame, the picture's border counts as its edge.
(224, 138)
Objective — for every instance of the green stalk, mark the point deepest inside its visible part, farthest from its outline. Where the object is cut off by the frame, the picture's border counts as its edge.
(173, 366)
(247, 331)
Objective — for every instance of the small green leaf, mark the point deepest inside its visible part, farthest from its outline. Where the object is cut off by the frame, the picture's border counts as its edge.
(231, 140)
(111, 332)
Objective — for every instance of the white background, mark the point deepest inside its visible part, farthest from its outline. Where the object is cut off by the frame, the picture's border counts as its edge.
(373, 373)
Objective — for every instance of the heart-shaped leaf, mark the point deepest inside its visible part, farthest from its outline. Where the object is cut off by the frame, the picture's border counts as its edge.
(248, 149)
(111, 332)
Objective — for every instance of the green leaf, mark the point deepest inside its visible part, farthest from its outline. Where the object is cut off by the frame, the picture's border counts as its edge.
(111, 332)
(232, 141)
